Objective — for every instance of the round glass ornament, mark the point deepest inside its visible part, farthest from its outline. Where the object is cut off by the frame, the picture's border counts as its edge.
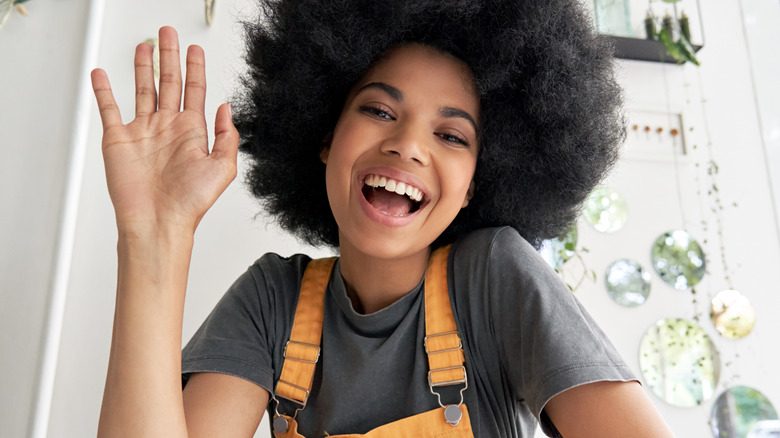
(678, 259)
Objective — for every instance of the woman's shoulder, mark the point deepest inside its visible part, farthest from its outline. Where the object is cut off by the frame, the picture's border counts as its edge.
(276, 273)
(496, 244)
(505, 267)
(272, 262)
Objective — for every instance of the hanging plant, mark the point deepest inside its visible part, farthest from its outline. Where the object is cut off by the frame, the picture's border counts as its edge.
(679, 48)
(6, 6)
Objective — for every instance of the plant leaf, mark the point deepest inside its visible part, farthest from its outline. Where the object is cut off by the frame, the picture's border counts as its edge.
(687, 50)
(671, 48)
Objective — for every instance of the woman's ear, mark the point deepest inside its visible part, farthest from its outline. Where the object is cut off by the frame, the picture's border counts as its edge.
(469, 194)
(325, 151)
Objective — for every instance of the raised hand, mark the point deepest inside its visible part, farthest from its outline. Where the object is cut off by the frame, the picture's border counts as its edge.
(158, 167)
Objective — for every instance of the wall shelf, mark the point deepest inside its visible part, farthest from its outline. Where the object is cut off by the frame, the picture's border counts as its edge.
(643, 49)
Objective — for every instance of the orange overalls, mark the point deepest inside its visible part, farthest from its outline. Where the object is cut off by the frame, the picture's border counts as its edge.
(442, 345)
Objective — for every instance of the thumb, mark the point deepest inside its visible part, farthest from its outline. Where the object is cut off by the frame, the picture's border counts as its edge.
(225, 135)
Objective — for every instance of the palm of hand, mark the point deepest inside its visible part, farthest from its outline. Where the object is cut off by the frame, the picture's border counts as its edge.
(158, 167)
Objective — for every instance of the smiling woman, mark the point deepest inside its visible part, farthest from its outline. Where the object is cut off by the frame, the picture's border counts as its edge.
(403, 131)
(429, 132)
(548, 119)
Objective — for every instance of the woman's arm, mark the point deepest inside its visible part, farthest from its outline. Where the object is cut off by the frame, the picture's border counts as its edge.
(606, 410)
(220, 405)
(162, 179)
(143, 387)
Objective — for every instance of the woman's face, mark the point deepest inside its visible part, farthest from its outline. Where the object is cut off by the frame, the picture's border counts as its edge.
(402, 157)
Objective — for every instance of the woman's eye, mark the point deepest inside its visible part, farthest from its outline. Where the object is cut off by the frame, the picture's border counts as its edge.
(378, 112)
(451, 138)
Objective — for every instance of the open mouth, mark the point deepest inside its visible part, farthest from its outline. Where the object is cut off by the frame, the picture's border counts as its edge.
(392, 197)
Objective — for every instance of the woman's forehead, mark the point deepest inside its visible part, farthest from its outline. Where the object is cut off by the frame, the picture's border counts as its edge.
(417, 67)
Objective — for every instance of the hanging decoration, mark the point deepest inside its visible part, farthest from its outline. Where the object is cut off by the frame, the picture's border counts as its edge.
(678, 259)
(210, 11)
(679, 362)
(743, 412)
(155, 43)
(606, 210)
(628, 283)
(732, 314)
(7, 6)
(674, 33)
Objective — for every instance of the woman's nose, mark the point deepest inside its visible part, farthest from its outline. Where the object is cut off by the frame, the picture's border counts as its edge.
(408, 143)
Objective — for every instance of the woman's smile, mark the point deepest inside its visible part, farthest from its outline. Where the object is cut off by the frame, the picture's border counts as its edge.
(390, 196)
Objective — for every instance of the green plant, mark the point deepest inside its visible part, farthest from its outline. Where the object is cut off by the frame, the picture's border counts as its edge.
(680, 48)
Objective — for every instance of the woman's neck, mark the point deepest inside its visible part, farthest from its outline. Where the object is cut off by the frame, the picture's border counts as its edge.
(373, 283)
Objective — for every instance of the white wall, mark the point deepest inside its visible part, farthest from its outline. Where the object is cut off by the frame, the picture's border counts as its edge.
(762, 36)
(229, 237)
(39, 64)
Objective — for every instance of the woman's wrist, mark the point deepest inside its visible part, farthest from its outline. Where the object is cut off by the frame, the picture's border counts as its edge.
(168, 230)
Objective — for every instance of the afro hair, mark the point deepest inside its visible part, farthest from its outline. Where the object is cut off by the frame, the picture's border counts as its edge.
(550, 107)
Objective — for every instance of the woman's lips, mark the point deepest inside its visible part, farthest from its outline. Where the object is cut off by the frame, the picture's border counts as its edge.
(397, 182)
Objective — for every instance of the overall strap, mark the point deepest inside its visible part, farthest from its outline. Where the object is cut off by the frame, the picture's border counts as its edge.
(303, 349)
(443, 347)
(442, 342)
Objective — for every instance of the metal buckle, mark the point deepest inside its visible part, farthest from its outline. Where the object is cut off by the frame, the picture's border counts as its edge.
(284, 353)
(280, 424)
(300, 402)
(464, 380)
(448, 382)
(460, 342)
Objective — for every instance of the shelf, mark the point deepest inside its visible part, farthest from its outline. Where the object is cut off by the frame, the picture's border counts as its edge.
(642, 49)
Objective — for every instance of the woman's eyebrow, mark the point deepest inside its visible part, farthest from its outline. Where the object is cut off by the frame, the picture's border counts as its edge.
(451, 112)
(391, 91)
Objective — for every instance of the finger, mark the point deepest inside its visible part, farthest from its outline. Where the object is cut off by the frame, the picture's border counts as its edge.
(170, 70)
(145, 93)
(109, 111)
(225, 136)
(195, 84)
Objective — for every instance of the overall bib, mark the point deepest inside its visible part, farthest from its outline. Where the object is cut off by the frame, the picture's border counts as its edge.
(442, 345)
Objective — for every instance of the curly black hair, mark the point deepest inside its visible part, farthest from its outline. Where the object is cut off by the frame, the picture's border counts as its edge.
(550, 107)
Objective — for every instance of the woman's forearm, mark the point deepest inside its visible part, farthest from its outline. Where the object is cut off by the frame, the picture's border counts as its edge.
(143, 386)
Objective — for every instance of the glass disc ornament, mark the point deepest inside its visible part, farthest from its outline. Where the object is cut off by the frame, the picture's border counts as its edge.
(678, 259)
(679, 362)
(628, 284)
(558, 251)
(743, 412)
(732, 314)
(606, 210)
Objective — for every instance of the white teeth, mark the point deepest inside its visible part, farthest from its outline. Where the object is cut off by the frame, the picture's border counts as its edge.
(394, 186)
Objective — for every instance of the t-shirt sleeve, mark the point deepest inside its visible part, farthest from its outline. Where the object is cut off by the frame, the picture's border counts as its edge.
(547, 341)
(238, 336)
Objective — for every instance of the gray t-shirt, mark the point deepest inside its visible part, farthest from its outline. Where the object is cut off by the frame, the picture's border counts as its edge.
(525, 336)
